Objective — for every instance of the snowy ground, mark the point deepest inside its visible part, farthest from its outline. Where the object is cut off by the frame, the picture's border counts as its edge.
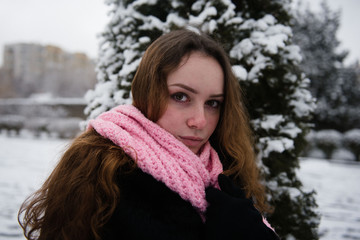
(25, 162)
(338, 196)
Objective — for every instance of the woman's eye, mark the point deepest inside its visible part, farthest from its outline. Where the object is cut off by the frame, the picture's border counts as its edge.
(180, 97)
(213, 103)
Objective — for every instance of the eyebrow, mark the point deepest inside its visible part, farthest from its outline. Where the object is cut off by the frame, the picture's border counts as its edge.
(193, 90)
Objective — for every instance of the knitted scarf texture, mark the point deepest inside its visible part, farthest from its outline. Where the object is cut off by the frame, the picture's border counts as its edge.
(160, 154)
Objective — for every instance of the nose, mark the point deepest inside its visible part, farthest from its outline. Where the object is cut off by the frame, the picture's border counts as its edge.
(197, 119)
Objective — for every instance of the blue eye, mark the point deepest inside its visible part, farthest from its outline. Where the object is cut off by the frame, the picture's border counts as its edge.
(180, 97)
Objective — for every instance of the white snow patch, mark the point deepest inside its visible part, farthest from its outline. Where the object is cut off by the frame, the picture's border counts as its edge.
(129, 68)
(302, 102)
(144, 40)
(240, 72)
(272, 121)
(198, 5)
(279, 144)
(202, 17)
(292, 52)
(174, 18)
(291, 130)
(245, 47)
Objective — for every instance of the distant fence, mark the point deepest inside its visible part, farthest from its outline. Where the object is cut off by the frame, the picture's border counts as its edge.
(59, 116)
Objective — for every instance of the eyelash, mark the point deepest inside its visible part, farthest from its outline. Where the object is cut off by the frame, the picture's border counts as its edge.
(178, 97)
(211, 102)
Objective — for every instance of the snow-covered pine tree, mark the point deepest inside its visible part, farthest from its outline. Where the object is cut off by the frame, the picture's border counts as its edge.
(335, 86)
(280, 106)
(258, 40)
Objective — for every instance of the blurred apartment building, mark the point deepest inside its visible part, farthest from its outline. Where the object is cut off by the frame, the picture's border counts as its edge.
(35, 69)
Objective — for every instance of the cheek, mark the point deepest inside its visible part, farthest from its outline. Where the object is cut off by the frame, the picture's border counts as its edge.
(169, 120)
(163, 122)
(213, 122)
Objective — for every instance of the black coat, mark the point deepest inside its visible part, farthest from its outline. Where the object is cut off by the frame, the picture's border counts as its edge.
(148, 209)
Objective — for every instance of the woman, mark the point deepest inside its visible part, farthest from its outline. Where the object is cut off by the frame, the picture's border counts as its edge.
(157, 169)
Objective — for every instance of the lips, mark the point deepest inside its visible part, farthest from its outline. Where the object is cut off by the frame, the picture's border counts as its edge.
(191, 141)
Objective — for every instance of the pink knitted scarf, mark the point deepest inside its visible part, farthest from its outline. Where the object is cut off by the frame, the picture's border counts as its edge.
(160, 154)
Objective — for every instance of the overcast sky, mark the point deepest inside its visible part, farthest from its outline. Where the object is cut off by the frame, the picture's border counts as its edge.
(69, 24)
(74, 24)
(349, 31)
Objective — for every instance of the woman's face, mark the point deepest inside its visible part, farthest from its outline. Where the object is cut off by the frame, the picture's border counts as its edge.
(196, 92)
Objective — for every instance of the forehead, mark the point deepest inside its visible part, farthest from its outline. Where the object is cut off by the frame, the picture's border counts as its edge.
(198, 71)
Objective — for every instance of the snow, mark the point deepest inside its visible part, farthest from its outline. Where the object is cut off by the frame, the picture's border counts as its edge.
(240, 72)
(173, 18)
(276, 144)
(129, 55)
(144, 40)
(303, 102)
(127, 69)
(269, 121)
(197, 6)
(291, 130)
(139, 3)
(40, 100)
(102, 94)
(338, 196)
(25, 162)
(229, 13)
(292, 52)
(343, 154)
(329, 137)
(200, 19)
(353, 135)
(245, 47)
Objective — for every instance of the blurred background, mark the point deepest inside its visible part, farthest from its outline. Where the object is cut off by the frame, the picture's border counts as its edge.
(48, 55)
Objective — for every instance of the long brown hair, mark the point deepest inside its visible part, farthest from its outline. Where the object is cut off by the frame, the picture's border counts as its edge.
(233, 137)
(81, 194)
